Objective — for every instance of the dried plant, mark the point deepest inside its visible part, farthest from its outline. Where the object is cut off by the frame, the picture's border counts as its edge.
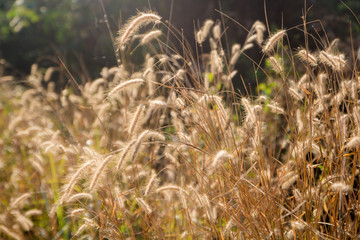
(185, 155)
(133, 25)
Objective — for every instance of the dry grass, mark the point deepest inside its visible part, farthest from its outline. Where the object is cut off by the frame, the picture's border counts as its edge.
(183, 155)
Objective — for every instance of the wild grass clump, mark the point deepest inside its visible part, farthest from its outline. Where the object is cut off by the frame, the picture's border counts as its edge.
(174, 151)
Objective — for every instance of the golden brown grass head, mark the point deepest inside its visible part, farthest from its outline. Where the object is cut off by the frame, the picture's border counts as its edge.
(133, 25)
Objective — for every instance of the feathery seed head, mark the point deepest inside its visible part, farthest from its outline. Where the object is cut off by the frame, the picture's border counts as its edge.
(144, 205)
(340, 187)
(157, 104)
(134, 25)
(222, 154)
(295, 94)
(139, 111)
(99, 170)
(217, 31)
(150, 36)
(335, 62)
(353, 142)
(202, 34)
(124, 85)
(235, 48)
(273, 40)
(259, 30)
(276, 64)
(20, 200)
(307, 57)
(79, 196)
(275, 108)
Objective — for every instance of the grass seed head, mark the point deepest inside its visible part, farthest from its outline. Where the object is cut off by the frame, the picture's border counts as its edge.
(124, 85)
(150, 36)
(133, 25)
(273, 40)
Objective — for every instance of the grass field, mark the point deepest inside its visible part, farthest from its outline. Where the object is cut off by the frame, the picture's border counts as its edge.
(170, 150)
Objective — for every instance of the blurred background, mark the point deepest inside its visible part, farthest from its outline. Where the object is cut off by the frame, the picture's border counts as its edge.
(42, 31)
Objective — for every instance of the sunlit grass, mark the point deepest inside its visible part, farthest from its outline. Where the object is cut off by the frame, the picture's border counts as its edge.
(179, 153)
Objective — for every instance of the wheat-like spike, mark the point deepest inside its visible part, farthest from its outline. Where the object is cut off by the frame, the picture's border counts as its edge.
(250, 39)
(207, 25)
(353, 143)
(222, 154)
(250, 113)
(144, 205)
(337, 99)
(217, 31)
(77, 211)
(333, 45)
(247, 106)
(235, 48)
(98, 172)
(271, 42)
(157, 104)
(81, 229)
(19, 200)
(276, 65)
(95, 85)
(232, 75)
(147, 72)
(73, 180)
(155, 135)
(235, 55)
(124, 153)
(327, 59)
(216, 62)
(25, 223)
(221, 107)
(340, 187)
(171, 187)
(9, 233)
(206, 204)
(336, 62)
(150, 184)
(303, 80)
(340, 61)
(140, 109)
(79, 196)
(288, 180)
(90, 222)
(33, 212)
(321, 84)
(180, 74)
(259, 29)
(133, 26)
(150, 36)
(119, 198)
(247, 46)
(124, 85)
(179, 103)
(295, 94)
(49, 72)
(199, 37)
(207, 99)
(274, 107)
(307, 57)
(298, 225)
(138, 143)
(204, 31)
